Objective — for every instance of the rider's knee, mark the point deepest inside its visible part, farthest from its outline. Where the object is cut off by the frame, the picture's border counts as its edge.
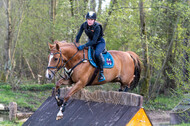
(97, 55)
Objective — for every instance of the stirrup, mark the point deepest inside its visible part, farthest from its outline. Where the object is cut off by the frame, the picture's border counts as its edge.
(101, 77)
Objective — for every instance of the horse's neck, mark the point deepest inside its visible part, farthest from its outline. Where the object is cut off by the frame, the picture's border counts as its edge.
(72, 55)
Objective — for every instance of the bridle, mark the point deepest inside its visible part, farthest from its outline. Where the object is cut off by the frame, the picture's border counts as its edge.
(56, 67)
(67, 72)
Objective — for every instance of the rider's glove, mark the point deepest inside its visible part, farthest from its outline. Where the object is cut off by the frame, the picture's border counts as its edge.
(81, 47)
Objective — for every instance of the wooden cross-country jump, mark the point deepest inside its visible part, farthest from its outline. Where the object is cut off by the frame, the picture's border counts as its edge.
(99, 108)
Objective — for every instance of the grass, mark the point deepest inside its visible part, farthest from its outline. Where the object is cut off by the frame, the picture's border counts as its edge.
(183, 124)
(9, 123)
(162, 102)
(26, 98)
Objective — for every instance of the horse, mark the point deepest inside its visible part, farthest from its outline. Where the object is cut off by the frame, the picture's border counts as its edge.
(78, 70)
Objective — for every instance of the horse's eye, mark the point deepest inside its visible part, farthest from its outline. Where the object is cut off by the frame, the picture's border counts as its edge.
(55, 59)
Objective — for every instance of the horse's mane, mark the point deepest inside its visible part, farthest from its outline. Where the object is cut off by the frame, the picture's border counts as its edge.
(64, 43)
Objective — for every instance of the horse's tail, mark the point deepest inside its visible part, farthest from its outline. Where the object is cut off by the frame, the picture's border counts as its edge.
(137, 73)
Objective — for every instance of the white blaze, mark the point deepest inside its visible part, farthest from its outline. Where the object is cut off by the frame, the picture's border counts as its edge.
(51, 56)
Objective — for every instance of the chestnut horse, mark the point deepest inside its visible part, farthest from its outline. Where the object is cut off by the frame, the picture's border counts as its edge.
(65, 55)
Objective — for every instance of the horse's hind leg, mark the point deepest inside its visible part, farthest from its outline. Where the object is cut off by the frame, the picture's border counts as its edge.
(126, 82)
(126, 89)
(121, 87)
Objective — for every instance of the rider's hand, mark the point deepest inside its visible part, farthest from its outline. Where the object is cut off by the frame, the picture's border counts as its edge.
(81, 47)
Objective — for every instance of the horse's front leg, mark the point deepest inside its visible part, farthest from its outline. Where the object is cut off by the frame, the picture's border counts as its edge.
(78, 86)
(57, 90)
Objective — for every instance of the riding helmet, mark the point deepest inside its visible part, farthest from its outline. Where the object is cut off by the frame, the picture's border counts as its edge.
(91, 15)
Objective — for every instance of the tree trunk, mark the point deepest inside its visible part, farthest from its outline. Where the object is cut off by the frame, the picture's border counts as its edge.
(52, 18)
(72, 9)
(156, 87)
(112, 4)
(168, 82)
(15, 42)
(100, 7)
(185, 61)
(72, 15)
(85, 7)
(144, 90)
(32, 73)
(185, 58)
(92, 5)
(8, 40)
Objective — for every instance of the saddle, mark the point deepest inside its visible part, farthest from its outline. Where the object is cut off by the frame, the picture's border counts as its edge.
(108, 59)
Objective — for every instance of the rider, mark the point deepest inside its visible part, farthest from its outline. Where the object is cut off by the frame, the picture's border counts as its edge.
(95, 35)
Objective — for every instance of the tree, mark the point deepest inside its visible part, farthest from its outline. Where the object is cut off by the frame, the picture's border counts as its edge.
(52, 17)
(146, 72)
(112, 4)
(156, 87)
(8, 40)
(169, 83)
(93, 5)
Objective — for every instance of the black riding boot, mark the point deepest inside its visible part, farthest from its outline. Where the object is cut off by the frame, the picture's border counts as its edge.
(100, 64)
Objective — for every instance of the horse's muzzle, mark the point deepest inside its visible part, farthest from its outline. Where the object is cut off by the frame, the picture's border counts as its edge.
(49, 75)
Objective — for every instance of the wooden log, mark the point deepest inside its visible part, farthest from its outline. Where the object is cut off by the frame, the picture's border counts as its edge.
(12, 111)
(23, 115)
(114, 97)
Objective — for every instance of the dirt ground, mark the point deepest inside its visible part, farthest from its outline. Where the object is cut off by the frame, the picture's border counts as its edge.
(159, 117)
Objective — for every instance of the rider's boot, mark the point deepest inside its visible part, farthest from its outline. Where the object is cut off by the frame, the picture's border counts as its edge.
(100, 66)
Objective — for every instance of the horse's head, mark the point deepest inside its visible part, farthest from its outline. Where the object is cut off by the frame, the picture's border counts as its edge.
(55, 60)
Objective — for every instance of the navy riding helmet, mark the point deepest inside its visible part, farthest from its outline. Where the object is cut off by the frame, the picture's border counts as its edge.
(91, 15)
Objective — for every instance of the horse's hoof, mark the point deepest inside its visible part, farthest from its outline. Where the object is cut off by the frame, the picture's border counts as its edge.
(59, 114)
(126, 89)
(59, 117)
(120, 90)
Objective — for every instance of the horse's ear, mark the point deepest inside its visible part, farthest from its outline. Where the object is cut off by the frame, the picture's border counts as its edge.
(57, 47)
(50, 45)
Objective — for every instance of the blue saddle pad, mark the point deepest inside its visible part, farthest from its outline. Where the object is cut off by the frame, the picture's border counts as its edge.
(109, 61)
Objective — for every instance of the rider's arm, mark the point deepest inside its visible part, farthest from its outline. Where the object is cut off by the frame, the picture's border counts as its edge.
(79, 33)
(95, 37)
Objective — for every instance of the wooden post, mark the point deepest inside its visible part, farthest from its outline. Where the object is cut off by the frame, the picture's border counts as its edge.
(12, 111)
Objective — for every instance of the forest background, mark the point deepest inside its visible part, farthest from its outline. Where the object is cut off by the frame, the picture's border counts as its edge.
(157, 30)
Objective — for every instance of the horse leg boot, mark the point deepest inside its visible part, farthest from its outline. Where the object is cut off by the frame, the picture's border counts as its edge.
(57, 97)
(100, 64)
(62, 81)
(57, 94)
